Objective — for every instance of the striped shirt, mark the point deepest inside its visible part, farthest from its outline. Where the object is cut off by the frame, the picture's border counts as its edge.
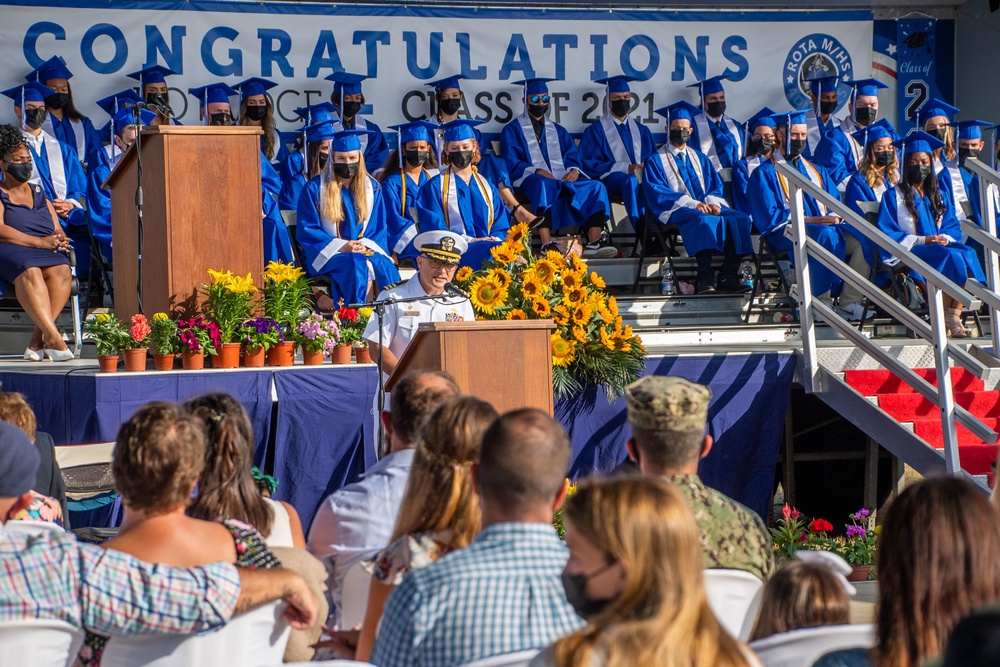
(503, 593)
(52, 576)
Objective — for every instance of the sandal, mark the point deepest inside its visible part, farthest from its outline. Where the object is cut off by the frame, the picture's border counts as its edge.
(953, 320)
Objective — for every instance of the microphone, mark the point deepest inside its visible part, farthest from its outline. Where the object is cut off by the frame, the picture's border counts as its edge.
(159, 103)
(455, 291)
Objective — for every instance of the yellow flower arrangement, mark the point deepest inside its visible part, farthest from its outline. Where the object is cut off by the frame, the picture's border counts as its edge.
(545, 271)
(556, 258)
(501, 276)
(571, 279)
(604, 311)
(580, 314)
(560, 315)
(280, 272)
(229, 302)
(503, 254)
(463, 274)
(487, 295)
(517, 314)
(518, 233)
(573, 296)
(541, 308)
(606, 340)
(563, 351)
(580, 334)
(531, 287)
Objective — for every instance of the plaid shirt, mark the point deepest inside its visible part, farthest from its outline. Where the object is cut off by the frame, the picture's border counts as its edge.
(502, 593)
(52, 576)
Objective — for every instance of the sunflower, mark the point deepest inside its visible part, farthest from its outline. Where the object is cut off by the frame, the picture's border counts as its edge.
(627, 333)
(517, 314)
(545, 270)
(541, 307)
(574, 295)
(463, 274)
(606, 315)
(556, 258)
(503, 254)
(518, 233)
(597, 281)
(487, 294)
(580, 334)
(580, 314)
(502, 277)
(606, 340)
(626, 346)
(560, 314)
(563, 351)
(572, 279)
(577, 264)
(613, 305)
(531, 288)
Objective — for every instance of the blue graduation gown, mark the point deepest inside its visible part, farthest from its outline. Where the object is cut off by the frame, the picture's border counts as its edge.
(741, 177)
(729, 140)
(570, 203)
(771, 214)
(99, 200)
(475, 216)
(348, 271)
(292, 181)
(700, 231)
(817, 130)
(81, 134)
(402, 229)
(955, 260)
(836, 153)
(948, 189)
(599, 161)
(277, 242)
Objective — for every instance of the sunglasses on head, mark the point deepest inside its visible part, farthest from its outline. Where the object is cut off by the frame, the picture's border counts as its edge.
(539, 99)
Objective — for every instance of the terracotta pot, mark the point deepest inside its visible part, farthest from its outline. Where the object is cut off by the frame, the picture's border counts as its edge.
(363, 355)
(860, 573)
(228, 357)
(341, 354)
(135, 360)
(108, 362)
(281, 355)
(193, 361)
(254, 358)
(312, 358)
(163, 362)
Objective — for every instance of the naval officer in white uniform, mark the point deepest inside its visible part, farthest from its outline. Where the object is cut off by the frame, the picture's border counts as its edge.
(440, 253)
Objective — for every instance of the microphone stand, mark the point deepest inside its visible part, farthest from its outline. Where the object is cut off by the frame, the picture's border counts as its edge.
(137, 113)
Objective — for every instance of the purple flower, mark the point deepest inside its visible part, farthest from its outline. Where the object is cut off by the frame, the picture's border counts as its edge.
(861, 514)
(856, 531)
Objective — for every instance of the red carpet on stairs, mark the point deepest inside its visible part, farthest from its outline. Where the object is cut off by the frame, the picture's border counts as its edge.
(900, 401)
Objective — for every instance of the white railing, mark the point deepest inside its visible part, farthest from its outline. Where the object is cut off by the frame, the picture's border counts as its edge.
(989, 184)
(935, 332)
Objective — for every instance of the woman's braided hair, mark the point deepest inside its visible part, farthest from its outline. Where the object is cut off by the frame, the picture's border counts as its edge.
(10, 140)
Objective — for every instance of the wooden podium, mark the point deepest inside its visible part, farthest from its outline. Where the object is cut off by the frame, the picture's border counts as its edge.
(508, 363)
(202, 210)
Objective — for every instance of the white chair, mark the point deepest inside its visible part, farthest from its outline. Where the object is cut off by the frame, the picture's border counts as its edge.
(801, 648)
(39, 643)
(518, 659)
(733, 595)
(354, 596)
(254, 639)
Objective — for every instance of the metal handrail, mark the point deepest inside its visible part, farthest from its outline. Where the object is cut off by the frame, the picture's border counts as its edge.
(987, 236)
(805, 248)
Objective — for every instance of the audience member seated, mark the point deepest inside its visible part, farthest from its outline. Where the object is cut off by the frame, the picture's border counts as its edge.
(802, 594)
(158, 459)
(227, 488)
(357, 521)
(938, 560)
(669, 416)
(54, 577)
(635, 575)
(975, 641)
(49, 503)
(503, 593)
(33, 248)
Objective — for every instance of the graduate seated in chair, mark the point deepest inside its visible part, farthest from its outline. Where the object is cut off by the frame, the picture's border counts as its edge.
(719, 137)
(682, 188)
(349, 100)
(154, 91)
(257, 110)
(839, 152)
(64, 122)
(820, 119)
(303, 162)
(342, 225)
(409, 168)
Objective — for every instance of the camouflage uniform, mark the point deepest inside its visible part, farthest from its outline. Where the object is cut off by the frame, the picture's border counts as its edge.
(732, 536)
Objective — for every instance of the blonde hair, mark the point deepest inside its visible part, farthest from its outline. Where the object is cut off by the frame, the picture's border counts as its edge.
(439, 495)
(801, 595)
(870, 170)
(949, 141)
(662, 616)
(330, 198)
(477, 156)
(14, 409)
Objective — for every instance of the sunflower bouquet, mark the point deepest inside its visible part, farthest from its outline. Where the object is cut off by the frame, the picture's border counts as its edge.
(590, 344)
(230, 301)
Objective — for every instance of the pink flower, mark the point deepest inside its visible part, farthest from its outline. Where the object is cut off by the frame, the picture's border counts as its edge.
(786, 512)
(795, 513)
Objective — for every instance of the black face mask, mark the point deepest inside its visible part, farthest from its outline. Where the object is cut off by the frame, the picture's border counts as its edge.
(450, 105)
(460, 159)
(795, 147)
(884, 158)
(763, 146)
(679, 137)
(322, 159)
(345, 169)
(939, 133)
(575, 586)
(918, 173)
(865, 116)
(155, 98)
(35, 117)
(223, 118)
(619, 108)
(715, 109)
(416, 158)
(538, 110)
(57, 101)
(827, 108)
(21, 171)
(966, 153)
(351, 109)
(256, 113)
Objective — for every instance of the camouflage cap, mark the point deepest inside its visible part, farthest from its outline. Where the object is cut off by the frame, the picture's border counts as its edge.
(667, 403)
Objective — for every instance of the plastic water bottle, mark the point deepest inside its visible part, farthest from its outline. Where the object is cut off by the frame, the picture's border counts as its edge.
(746, 275)
(667, 280)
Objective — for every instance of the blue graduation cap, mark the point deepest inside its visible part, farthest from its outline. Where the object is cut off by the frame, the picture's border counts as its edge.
(794, 117)
(53, 68)
(971, 129)
(460, 129)
(28, 92)
(317, 113)
(536, 86)
(345, 83)
(213, 92)
(113, 103)
(762, 117)
(679, 111)
(616, 84)
(151, 74)
(445, 83)
(320, 131)
(918, 142)
(880, 129)
(711, 85)
(822, 84)
(253, 86)
(418, 130)
(867, 87)
(348, 140)
(933, 108)
(121, 120)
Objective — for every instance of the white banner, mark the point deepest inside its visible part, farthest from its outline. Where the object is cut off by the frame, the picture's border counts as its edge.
(767, 54)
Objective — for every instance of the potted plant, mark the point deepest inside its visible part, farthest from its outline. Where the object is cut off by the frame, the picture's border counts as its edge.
(163, 336)
(362, 354)
(110, 336)
(318, 336)
(285, 290)
(229, 303)
(259, 334)
(858, 546)
(136, 345)
(350, 334)
(198, 338)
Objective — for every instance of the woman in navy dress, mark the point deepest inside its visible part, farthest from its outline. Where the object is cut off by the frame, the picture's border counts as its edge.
(33, 250)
